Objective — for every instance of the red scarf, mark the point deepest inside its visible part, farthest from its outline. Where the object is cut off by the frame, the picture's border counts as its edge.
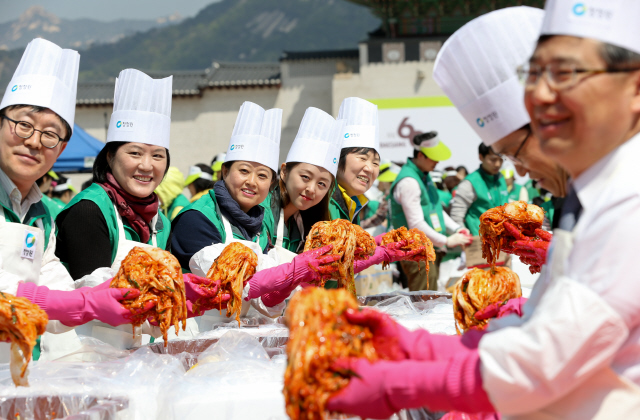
(137, 211)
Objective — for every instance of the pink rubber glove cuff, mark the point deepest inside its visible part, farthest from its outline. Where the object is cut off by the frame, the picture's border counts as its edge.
(77, 307)
(380, 389)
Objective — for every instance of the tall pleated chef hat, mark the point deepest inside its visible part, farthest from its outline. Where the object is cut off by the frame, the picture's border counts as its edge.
(256, 136)
(47, 76)
(476, 69)
(141, 109)
(361, 129)
(612, 21)
(318, 141)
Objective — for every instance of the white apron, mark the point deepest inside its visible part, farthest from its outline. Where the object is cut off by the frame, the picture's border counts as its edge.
(605, 395)
(18, 239)
(214, 316)
(284, 254)
(123, 336)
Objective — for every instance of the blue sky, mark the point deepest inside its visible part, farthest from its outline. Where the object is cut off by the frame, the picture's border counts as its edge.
(104, 10)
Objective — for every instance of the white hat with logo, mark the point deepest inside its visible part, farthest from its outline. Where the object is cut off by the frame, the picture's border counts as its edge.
(612, 21)
(318, 141)
(47, 76)
(141, 109)
(361, 129)
(256, 136)
(476, 69)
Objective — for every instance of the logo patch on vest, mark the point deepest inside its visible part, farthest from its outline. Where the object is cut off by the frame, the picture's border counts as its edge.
(29, 245)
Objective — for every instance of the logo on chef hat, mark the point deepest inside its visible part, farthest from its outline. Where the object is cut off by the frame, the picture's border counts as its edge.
(237, 147)
(480, 122)
(579, 9)
(14, 88)
(124, 125)
(487, 119)
(30, 240)
(335, 160)
(119, 124)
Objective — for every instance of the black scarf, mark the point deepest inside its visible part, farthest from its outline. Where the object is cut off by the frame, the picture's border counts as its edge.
(249, 224)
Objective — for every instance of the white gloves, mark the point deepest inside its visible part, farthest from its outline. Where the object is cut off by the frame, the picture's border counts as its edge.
(459, 239)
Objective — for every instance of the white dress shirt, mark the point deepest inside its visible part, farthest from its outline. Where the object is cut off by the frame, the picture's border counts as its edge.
(407, 194)
(587, 319)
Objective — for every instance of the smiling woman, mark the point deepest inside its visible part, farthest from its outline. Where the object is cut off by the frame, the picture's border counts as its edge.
(120, 209)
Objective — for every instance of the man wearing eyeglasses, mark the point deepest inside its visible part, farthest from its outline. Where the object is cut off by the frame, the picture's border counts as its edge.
(36, 115)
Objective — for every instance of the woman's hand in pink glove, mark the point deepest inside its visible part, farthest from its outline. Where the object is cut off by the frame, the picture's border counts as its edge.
(388, 253)
(311, 266)
(203, 295)
(377, 390)
(500, 309)
(378, 239)
(77, 307)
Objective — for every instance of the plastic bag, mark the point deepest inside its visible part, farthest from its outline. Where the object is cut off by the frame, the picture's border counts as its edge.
(234, 379)
(435, 315)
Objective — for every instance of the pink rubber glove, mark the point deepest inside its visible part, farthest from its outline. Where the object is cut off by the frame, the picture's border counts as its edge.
(398, 343)
(377, 390)
(378, 239)
(532, 251)
(77, 307)
(276, 284)
(387, 253)
(500, 309)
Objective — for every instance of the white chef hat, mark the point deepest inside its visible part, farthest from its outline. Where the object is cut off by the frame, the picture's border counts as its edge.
(611, 21)
(256, 136)
(476, 68)
(141, 109)
(318, 141)
(47, 76)
(361, 129)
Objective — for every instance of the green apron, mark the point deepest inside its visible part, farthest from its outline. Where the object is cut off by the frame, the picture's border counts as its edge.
(491, 191)
(208, 206)
(533, 192)
(429, 199)
(51, 205)
(445, 197)
(98, 195)
(549, 210)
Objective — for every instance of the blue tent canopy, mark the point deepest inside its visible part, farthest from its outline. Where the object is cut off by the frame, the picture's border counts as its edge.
(80, 153)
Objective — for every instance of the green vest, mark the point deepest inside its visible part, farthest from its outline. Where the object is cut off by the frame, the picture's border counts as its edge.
(272, 208)
(371, 209)
(179, 201)
(37, 211)
(514, 194)
(53, 207)
(491, 191)
(208, 206)
(429, 199)
(338, 208)
(98, 195)
(445, 197)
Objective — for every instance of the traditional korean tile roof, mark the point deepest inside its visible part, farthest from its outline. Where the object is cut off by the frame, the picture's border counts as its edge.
(319, 55)
(192, 82)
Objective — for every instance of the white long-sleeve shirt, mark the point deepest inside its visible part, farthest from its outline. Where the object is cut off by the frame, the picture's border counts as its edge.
(407, 194)
(587, 319)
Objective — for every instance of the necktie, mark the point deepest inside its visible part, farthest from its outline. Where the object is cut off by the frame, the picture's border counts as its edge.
(571, 211)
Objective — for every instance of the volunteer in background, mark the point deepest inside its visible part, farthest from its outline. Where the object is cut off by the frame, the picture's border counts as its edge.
(415, 203)
(573, 354)
(516, 191)
(62, 193)
(45, 184)
(216, 165)
(199, 181)
(359, 162)
(170, 193)
(480, 191)
(35, 126)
